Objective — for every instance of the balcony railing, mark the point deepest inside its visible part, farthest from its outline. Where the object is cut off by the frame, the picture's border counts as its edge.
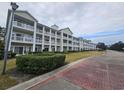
(52, 42)
(65, 44)
(52, 34)
(58, 43)
(38, 41)
(70, 39)
(64, 37)
(58, 36)
(47, 33)
(22, 39)
(47, 42)
(22, 25)
(39, 30)
(70, 44)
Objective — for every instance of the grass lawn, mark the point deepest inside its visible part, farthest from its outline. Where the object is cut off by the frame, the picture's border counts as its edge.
(71, 57)
(11, 63)
(10, 80)
(6, 80)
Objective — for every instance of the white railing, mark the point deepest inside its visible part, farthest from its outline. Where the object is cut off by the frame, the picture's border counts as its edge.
(58, 43)
(65, 44)
(47, 42)
(70, 39)
(52, 34)
(22, 39)
(70, 44)
(46, 33)
(58, 36)
(38, 41)
(26, 39)
(39, 30)
(65, 37)
(52, 42)
(22, 25)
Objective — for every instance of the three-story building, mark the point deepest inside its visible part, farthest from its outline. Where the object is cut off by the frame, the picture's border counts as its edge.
(28, 35)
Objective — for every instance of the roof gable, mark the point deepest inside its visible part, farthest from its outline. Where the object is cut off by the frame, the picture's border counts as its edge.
(67, 30)
(25, 14)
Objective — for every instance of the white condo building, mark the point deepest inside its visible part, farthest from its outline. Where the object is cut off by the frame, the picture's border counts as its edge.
(28, 35)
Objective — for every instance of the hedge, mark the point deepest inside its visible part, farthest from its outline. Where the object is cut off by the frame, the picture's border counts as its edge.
(39, 64)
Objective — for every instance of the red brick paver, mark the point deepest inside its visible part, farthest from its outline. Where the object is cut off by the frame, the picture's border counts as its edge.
(93, 74)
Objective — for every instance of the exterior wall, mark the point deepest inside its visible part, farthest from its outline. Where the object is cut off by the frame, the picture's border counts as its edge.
(34, 37)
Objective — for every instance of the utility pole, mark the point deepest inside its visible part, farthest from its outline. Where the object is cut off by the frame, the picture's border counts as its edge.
(8, 34)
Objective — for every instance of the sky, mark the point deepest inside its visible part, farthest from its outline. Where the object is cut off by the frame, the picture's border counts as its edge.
(99, 22)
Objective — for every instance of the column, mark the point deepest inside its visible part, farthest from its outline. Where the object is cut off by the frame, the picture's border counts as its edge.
(80, 44)
(50, 41)
(55, 40)
(13, 50)
(67, 42)
(23, 50)
(72, 44)
(61, 41)
(43, 38)
(34, 36)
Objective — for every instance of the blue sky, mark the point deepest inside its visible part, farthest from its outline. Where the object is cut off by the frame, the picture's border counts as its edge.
(100, 22)
(103, 34)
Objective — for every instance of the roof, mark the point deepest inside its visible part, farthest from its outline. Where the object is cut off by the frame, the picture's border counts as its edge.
(24, 11)
(67, 28)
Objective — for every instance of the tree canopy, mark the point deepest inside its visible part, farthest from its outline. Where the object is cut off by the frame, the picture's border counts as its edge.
(101, 46)
(119, 46)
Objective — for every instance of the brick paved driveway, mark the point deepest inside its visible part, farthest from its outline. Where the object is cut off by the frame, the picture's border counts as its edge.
(103, 72)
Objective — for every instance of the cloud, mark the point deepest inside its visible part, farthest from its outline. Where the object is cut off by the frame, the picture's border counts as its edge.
(82, 18)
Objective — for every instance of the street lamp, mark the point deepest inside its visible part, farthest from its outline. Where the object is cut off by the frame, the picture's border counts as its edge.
(14, 6)
(8, 34)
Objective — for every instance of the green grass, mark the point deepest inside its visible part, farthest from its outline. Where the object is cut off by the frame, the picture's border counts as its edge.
(11, 63)
(7, 81)
(71, 57)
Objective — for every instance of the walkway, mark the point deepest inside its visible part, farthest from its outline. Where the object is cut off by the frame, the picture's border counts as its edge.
(103, 72)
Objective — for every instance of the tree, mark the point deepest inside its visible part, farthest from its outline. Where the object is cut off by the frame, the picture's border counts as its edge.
(119, 46)
(101, 46)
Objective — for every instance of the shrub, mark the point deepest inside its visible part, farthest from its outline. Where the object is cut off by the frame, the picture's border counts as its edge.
(1, 55)
(39, 64)
(13, 55)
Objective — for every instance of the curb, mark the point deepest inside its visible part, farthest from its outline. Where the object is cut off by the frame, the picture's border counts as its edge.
(36, 80)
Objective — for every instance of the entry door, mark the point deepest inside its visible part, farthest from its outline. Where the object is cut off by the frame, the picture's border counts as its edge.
(20, 50)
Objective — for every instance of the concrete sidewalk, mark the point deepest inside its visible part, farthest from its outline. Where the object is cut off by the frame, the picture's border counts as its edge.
(101, 72)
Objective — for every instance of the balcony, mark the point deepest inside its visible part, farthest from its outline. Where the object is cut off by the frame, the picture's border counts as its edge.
(38, 41)
(23, 26)
(39, 31)
(70, 44)
(65, 37)
(58, 43)
(47, 33)
(70, 39)
(52, 34)
(52, 42)
(58, 36)
(22, 39)
(65, 44)
(46, 42)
